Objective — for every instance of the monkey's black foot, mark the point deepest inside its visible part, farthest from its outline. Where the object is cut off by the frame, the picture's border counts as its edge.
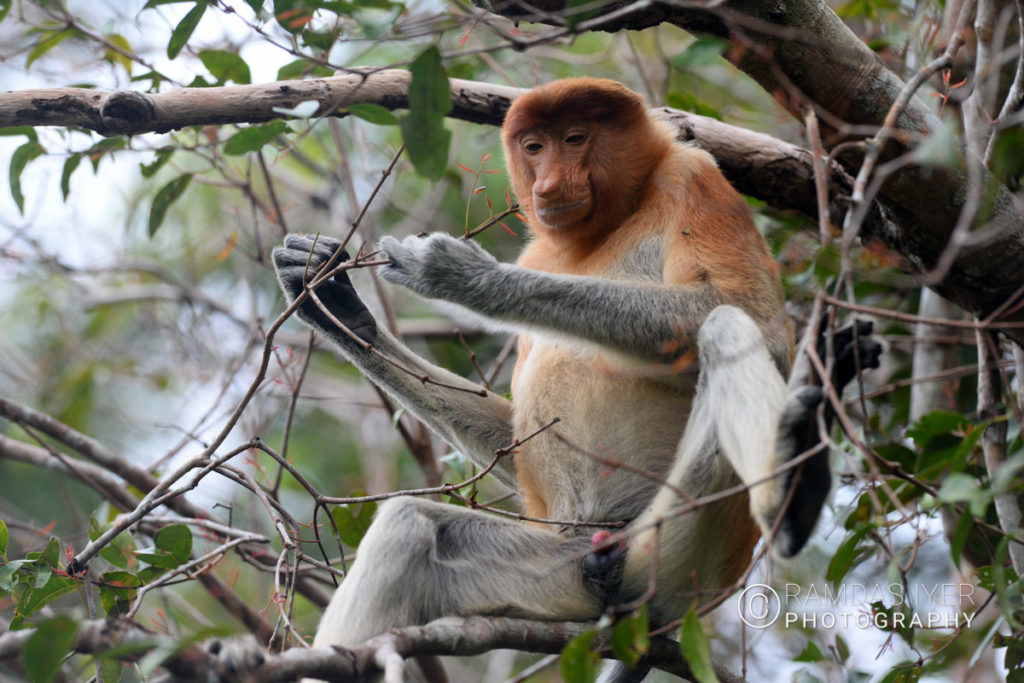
(849, 348)
(298, 262)
(806, 485)
(604, 565)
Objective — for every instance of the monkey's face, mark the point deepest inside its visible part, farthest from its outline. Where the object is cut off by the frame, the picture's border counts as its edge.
(553, 163)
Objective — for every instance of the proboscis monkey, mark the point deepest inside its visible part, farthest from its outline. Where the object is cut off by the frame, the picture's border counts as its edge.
(651, 323)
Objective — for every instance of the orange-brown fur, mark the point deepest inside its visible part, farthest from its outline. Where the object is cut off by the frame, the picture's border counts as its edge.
(644, 186)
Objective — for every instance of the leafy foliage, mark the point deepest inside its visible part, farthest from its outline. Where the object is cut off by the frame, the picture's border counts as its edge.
(136, 294)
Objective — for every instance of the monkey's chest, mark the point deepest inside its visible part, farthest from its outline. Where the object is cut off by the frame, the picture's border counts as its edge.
(616, 434)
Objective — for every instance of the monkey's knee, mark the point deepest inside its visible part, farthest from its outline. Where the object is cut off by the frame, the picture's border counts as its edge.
(729, 335)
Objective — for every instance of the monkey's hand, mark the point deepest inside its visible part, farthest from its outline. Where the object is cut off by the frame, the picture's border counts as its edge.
(297, 263)
(439, 266)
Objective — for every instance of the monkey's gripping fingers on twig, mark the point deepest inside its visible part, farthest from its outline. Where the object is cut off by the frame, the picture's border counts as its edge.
(438, 266)
(298, 262)
(849, 348)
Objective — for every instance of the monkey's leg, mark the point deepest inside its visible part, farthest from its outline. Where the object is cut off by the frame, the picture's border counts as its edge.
(737, 406)
(743, 411)
(476, 425)
(422, 560)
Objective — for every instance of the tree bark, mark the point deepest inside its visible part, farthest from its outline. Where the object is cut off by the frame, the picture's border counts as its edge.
(759, 165)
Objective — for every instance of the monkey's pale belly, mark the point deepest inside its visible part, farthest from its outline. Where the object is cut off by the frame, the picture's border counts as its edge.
(573, 468)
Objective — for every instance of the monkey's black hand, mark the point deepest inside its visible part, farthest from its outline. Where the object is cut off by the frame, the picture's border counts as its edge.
(298, 262)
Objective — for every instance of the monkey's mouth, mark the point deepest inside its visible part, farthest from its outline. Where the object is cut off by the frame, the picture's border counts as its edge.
(552, 210)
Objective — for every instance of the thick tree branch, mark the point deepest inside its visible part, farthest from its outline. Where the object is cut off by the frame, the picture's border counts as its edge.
(759, 165)
(455, 637)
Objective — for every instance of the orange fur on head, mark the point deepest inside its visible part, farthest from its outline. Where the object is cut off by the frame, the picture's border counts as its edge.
(625, 147)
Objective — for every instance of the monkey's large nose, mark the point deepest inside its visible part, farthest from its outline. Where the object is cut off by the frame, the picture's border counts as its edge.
(547, 186)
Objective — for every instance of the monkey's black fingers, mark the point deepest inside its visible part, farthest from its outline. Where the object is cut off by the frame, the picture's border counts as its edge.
(861, 351)
(296, 266)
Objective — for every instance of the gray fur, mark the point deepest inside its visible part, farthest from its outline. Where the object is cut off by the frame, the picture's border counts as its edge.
(422, 560)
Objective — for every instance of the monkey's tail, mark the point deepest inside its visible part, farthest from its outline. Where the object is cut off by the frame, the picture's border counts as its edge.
(617, 672)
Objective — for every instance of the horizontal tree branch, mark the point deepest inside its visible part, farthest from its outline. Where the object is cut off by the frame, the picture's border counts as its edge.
(769, 169)
(451, 637)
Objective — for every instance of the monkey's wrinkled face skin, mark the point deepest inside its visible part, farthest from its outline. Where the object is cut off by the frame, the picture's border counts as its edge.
(556, 159)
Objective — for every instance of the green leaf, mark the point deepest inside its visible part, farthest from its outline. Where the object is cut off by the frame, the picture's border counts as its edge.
(104, 148)
(959, 539)
(701, 53)
(70, 164)
(374, 113)
(158, 558)
(27, 131)
(353, 521)
(51, 553)
(183, 31)
(8, 573)
(226, 66)
(423, 131)
(24, 154)
(905, 672)
(4, 538)
(696, 649)
(118, 591)
(847, 553)
(121, 551)
(293, 15)
(5, 7)
(163, 155)
(52, 40)
(300, 68)
(579, 663)
(811, 653)
(959, 488)
(119, 56)
(163, 200)
(45, 649)
(321, 40)
(254, 137)
(630, 639)
(176, 540)
(40, 596)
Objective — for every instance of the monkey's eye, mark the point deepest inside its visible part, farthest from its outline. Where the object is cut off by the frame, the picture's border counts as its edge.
(575, 138)
(532, 146)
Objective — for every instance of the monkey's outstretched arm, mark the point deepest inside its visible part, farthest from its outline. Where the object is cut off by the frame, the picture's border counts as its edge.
(662, 320)
(452, 406)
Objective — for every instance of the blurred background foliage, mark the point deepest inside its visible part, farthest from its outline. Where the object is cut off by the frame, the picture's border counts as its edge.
(144, 332)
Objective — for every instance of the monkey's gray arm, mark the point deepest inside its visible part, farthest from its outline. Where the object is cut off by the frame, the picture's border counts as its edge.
(650, 322)
(452, 406)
